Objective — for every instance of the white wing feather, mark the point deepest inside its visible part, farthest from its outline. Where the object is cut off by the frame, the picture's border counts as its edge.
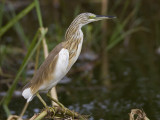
(59, 72)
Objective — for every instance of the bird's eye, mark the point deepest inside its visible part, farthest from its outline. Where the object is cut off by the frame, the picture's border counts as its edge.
(91, 17)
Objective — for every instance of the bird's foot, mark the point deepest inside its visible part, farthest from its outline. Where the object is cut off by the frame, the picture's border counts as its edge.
(51, 110)
(63, 108)
(54, 100)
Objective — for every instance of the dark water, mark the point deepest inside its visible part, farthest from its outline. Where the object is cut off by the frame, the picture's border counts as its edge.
(129, 90)
(133, 71)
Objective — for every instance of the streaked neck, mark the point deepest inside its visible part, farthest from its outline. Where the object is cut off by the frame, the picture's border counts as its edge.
(74, 31)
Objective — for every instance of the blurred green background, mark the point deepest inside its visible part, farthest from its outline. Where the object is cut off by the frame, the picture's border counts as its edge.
(118, 69)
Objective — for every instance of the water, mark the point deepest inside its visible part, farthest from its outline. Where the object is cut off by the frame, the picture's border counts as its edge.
(134, 74)
(100, 102)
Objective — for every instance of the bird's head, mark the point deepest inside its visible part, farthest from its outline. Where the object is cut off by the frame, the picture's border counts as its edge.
(85, 18)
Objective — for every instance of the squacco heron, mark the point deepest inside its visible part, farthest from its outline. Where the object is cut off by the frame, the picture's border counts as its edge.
(61, 58)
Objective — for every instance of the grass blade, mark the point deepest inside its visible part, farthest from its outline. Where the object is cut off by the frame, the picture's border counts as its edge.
(16, 18)
(18, 27)
(38, 13)
(30, 53)
(1, 12)
(116, 41)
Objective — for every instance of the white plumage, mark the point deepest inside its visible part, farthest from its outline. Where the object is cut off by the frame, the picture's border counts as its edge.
(59, 72)
(61, 67)
(27, 94)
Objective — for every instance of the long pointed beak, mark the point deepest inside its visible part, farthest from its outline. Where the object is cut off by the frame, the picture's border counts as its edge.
(101, 17)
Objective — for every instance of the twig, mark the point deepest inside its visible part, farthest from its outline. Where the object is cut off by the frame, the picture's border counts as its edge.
(41, 115)
(58, 112)
(139, 113)
(23, 111)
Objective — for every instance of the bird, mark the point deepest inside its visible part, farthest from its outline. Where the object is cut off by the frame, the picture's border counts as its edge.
(61, 58)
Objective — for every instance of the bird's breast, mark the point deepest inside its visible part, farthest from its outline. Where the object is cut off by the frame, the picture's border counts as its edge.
(60, 68)
(75, 56)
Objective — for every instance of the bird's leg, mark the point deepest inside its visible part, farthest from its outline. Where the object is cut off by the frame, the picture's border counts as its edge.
(40, 98)
(54, 100)
(58, 103)
(64, 109)
(49, 109)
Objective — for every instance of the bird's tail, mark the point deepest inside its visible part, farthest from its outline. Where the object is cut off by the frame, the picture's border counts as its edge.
(27, 94)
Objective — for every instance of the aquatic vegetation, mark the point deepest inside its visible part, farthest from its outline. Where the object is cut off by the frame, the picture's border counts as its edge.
(132, 50)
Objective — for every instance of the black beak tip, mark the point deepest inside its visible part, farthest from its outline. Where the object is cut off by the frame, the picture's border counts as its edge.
(110, 17)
